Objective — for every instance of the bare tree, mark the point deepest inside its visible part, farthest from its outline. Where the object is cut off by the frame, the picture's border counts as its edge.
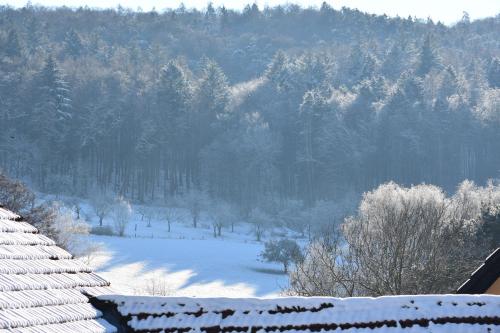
(75, 204)
(327, 269)
(102, 203)
(221, 214)
(147, 213)
(397, 239)
(260, 222)
(196, 201)
(401, 241)
(15, 195)
(171, 215)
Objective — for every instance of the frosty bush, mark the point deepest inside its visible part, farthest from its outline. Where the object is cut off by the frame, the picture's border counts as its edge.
(401, 241)
(122, 212)
(105, 230)
(325, 270)
(71, 232)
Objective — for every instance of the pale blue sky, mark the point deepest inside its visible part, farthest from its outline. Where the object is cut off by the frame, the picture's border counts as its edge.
(447, 11)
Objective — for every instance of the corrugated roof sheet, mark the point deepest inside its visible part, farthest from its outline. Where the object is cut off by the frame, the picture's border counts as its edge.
(42, 288)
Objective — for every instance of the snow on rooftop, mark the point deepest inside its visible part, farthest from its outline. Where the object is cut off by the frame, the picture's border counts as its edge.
(457, 313)
(7, 214)
(42, 288)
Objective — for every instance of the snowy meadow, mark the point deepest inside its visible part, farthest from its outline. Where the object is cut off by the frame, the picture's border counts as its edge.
(183, 262)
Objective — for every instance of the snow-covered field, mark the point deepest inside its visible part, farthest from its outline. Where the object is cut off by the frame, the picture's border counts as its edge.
(185, 261)
(187, 267)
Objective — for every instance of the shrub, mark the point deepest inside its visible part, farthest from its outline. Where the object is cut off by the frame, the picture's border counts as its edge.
(105, 230)
(284, 251)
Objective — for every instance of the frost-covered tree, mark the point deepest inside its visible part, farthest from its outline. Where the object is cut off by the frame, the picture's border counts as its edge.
(312, 111)
(74, 45)
(14, 195)
(493, 74)
(51, 115)
(171, 215)
(326, 269)
(222, 215)
(427, 59)
(291, 216)
(136, 111)
(102, 203)
(212, 99)
(196, 201)
(72, 233)
(401, 241)
(260, 222)
(122, 212)
(12, 46)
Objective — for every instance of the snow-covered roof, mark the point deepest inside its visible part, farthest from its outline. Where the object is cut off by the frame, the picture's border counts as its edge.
(42, 288)
(424, 313)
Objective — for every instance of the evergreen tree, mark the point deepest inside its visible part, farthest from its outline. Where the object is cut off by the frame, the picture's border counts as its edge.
(52, 108)
(172, 121)
(427, 58)
(213, 96)
(12, 46)
(311, 114)
(395, 61)
(494, 73)
(74, 45)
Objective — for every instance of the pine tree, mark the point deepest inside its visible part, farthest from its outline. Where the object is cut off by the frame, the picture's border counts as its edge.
(171, 120)
(494, 73)
(277, 71)
(394, 63)
(172, 101)
(427, 58)
(74, 45)
(355, 65)
(311, 113)
(213, 94)
(12, 47)
(52, 108)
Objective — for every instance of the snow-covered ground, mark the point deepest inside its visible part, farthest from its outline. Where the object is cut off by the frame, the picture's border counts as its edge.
(185, 261)
(187, 267)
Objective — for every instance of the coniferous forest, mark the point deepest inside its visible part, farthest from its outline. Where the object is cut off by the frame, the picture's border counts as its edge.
(284, 103)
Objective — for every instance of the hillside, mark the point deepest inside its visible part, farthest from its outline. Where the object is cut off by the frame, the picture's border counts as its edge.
(265, 105)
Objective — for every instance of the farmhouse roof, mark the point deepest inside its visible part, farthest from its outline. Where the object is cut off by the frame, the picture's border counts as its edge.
(42, 287)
